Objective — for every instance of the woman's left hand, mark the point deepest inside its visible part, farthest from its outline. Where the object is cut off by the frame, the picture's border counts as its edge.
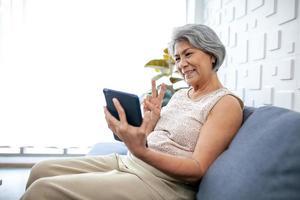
(134, 137)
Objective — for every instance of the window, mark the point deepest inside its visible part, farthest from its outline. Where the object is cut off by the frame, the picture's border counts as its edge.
(57, 55)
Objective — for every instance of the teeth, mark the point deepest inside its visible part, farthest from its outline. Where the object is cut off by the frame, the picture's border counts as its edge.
(189, 72)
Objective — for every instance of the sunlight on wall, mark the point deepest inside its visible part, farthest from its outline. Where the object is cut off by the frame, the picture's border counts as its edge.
(56, 56)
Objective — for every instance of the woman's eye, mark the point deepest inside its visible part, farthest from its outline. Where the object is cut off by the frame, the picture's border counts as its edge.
(188, 54)
(177, 59)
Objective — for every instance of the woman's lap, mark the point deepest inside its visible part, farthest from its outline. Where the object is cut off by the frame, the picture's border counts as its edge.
(100, 177)
(94, 185)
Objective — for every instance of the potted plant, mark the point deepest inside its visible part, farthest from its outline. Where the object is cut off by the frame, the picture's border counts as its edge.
(165, 68)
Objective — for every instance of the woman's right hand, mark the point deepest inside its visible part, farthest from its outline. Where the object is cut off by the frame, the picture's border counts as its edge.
(153, 104)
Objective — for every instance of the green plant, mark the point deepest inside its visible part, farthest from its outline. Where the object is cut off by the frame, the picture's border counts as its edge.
(165, 68)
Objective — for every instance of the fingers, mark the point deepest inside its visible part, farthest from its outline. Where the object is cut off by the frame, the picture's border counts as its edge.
(120, 111)
(162, 92)
(109, 117)
(113, 124)
(111, 120)
(144, 103)
(146, 122)
(154, 92)
(152, 107)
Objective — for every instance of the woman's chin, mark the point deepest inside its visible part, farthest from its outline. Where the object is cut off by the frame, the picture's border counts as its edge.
(190, 81)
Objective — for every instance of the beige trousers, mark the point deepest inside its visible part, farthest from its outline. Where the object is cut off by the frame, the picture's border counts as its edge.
(103, 177)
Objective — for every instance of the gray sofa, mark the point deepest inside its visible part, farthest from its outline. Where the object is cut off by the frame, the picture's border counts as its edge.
(261, 163)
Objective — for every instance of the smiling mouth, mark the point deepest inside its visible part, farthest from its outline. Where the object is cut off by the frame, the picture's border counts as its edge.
(188, 74)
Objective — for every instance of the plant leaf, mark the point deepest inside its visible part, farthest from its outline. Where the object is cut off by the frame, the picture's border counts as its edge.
(175, 79)
(167, 57)
(157, 63)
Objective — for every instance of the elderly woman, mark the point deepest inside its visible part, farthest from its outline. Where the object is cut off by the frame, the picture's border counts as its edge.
(183, 138)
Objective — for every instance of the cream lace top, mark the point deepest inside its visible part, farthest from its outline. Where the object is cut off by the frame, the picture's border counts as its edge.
(181, 120)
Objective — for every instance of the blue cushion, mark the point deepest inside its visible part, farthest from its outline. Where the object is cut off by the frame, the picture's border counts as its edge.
(262, 162)
(247, 112)
(103, 148)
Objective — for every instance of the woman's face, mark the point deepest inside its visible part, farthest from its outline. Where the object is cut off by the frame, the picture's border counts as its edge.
(195, 65)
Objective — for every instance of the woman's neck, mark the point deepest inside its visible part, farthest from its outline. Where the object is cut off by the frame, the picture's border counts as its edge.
(205, 88)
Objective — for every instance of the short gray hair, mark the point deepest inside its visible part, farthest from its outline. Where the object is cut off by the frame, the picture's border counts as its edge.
(202, 37)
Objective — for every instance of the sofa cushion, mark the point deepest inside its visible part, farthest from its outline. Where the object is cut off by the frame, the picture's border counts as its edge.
(103, 148)
(262, 162)
(247, 112)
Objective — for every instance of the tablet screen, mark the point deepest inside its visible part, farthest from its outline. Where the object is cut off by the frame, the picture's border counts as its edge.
(130, 103)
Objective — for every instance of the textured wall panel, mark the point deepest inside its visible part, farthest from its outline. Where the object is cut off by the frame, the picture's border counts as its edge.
(284, 99)
(226, 35)
(232, 80)
(257, 47)
(229, 14)
(241, 93)
(286, 69)
(255, 4)
(271, 7)
(289, 47)
(254, 77)
(232, 37)
(242, 51)
(274, 39)
(252, 23)
(240, 9)
(287, 10)
(274, 71)
(263, 49)
(268, 95)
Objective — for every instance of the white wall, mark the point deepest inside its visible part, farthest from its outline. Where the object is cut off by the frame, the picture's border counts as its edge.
(262, 38)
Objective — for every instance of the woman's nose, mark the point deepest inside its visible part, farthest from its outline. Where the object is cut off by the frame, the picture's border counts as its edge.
(182, 63)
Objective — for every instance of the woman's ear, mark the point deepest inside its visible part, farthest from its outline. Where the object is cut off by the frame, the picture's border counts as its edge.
(213, 59)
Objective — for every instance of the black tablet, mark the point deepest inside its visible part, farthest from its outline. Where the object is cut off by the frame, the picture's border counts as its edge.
(129, 102)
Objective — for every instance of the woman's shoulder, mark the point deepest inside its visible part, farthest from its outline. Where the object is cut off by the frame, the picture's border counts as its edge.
(229, 103)
(231, 98)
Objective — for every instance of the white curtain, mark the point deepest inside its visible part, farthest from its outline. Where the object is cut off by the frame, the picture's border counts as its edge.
(58, 55)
